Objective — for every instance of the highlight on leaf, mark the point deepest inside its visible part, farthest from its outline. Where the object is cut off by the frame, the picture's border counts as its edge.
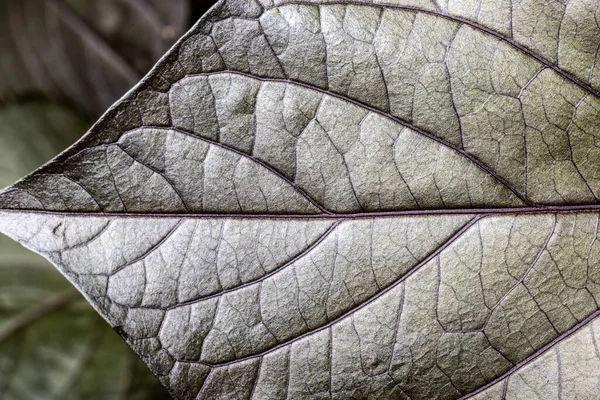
(345, 199)
(53, 345)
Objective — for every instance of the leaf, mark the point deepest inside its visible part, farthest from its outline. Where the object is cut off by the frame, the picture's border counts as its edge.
(31, 133)
(344, 199)
(570, 368)
(53, 345)
(88, 53)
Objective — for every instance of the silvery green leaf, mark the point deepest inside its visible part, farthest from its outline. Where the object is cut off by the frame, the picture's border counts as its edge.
(53, 345)
(345, 199)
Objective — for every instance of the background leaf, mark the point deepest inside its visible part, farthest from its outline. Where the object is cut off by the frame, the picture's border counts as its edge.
(53, 345)
(33, 132)
(343, 200)
(88, 53)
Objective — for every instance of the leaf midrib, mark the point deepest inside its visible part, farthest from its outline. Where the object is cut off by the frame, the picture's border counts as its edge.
(478, 163)
(481, 212)
(568, 209)
(516, 366)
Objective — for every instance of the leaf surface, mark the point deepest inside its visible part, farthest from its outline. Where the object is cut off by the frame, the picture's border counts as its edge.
(343, 199)
(53, 345)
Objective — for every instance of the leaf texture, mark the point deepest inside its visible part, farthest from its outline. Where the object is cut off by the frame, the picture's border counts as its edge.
(568, 370)
(345, 199)
(53, 345)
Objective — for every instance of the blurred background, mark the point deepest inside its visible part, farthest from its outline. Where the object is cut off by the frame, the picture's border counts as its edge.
(62, 64)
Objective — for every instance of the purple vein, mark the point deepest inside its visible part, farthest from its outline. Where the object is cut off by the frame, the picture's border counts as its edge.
(475, 25)
(387, 115)
(531, 267)
(294, 186)
(80, 185)
(302, 254)
(162, 174)
(365, 303)
(151, 249)
(591, 208)
(536, 354)
(94, 237)
(257, 280)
